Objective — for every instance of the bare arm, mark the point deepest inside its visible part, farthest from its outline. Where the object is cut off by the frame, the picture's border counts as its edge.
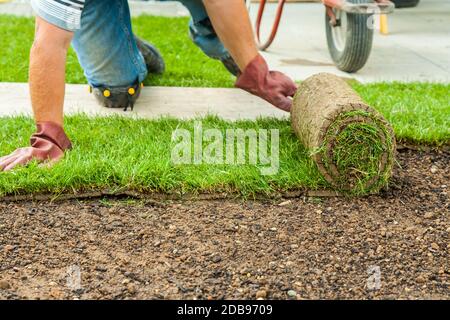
(47, 86)
(232, 24)
(47, 71)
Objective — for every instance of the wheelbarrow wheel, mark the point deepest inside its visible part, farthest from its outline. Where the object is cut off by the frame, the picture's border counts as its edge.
(350, 41)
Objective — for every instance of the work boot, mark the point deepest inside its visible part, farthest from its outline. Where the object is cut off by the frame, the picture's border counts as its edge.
(153, 58)
(118, 97)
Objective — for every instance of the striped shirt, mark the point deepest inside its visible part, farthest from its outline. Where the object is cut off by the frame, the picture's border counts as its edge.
(65, 14)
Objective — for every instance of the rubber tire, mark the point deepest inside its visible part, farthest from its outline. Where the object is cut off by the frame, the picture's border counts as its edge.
(405, 3)
(358, 43)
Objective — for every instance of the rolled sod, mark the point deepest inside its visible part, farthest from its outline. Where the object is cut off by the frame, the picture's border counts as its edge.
(351, 143)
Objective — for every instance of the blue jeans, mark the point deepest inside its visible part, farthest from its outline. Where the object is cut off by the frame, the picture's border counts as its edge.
(106, 48)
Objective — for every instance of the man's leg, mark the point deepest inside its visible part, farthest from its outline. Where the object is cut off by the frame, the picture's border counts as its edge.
(203, 35)
(108, 52)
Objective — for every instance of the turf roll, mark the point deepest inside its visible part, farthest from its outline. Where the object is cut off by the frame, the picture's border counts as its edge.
(351, 143)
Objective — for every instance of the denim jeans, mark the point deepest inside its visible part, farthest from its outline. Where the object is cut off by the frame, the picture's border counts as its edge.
(106, 48)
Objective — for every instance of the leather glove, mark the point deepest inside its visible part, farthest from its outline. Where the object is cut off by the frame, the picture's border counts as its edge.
(47, 144)
(273, 86)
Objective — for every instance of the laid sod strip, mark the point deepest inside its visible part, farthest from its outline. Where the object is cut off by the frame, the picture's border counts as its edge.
(352, 144)
(121, 153)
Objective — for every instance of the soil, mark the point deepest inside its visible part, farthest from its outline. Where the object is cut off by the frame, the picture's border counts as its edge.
(391, 246)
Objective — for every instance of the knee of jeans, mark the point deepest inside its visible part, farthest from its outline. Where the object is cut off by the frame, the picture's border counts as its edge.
(111, 77)
(105, 68)
(105, 46)
(122, 80)
(207, 40)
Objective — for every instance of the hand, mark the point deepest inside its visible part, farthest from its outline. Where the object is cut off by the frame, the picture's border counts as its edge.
(273, 86)
(47, 144)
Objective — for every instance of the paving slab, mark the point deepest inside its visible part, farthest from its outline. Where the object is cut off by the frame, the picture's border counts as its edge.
(155, 102)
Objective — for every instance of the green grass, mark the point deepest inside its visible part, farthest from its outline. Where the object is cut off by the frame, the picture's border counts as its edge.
(418, 112)
(135, 154)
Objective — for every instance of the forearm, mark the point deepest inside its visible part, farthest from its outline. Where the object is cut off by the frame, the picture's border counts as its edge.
(47, 72)
(232, 24)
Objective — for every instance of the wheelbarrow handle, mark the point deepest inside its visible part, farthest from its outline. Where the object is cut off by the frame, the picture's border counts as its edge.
(262, 4)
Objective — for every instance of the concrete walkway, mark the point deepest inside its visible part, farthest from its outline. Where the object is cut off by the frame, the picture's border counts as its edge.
(182, 103)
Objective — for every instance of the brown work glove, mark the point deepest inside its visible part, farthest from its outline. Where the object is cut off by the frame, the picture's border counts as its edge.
(273, 86)
(47, 144)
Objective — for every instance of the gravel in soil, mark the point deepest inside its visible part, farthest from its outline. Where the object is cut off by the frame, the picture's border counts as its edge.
(392, 246)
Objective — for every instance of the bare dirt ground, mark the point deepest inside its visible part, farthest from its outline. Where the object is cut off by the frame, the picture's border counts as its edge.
(394, 245)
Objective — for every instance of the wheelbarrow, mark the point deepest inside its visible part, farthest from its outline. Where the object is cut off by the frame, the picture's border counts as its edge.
(348, 26)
